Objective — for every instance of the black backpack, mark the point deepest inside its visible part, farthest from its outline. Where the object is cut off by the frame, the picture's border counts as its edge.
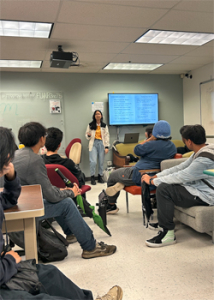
(52, 246)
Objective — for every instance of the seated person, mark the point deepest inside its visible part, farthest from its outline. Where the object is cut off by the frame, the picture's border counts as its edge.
(182, 150)
(55, 283)
(58, 203)
(151, 151)
(52, 144)
(184, 185)
(148, 134)
(148, 131)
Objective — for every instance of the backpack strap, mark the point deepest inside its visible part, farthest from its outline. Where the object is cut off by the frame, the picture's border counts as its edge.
(207, 183)
(210, 156)
(60, 237)
(207, 155)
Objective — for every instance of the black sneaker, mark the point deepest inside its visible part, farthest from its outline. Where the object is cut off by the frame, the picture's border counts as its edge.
(111, 209)
(93, 182)
(100, 179)
(164, 238)
(154, 226)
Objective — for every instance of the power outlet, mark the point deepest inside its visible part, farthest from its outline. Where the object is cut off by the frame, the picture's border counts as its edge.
(109, 163)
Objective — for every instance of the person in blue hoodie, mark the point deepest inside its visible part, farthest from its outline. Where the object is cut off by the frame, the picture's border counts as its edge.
(184, 185)
(151, 151)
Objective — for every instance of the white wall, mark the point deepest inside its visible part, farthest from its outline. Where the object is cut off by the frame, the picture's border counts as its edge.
(191, 93)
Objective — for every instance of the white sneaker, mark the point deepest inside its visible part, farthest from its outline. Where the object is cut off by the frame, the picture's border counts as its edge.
(115, 293)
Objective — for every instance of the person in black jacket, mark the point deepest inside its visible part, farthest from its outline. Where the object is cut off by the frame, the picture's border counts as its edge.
(52, 144)
(54, 282)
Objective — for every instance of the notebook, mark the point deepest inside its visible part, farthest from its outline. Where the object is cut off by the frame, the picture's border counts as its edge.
(131, 138)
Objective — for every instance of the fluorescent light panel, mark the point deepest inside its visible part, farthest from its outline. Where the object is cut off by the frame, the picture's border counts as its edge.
(6, 63)
(25, 29)
(175, 38)
(130, 66)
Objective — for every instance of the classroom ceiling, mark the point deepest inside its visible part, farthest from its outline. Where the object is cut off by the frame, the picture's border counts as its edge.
(104, 31)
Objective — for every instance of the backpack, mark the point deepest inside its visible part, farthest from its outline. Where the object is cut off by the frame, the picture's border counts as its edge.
(52, 246)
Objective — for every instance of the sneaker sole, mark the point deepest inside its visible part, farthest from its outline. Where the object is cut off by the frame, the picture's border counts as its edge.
(153, 245)
(113, 190)
(112, 212)
(100, 254)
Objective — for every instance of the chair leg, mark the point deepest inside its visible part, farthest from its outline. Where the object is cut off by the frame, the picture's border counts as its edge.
(127, 202)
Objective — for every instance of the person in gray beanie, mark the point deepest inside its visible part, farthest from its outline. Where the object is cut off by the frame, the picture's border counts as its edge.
(151, 151)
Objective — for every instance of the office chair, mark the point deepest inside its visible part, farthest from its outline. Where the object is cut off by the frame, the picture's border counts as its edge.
(56, 180)
(74, 150)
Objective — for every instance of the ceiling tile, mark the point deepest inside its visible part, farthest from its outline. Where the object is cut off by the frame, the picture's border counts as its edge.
(87, 46)
(23, 43)
(96, 33)
(141, 3)
(22, 10)
(157, 49)
(108, 15)
(161, 59)
(202, 6)
(186, 21)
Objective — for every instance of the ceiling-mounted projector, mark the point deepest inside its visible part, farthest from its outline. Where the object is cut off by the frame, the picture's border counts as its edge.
(61, 59)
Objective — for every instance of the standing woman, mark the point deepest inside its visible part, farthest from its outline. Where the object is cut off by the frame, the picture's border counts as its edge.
(98, 136)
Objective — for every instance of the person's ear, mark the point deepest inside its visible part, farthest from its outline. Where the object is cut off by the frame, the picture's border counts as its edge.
(42, 141)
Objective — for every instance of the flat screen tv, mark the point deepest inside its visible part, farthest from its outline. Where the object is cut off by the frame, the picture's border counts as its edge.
(132, 109)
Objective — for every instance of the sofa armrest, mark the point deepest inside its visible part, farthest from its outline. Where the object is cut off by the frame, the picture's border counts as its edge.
(118, 160)
(169, 163)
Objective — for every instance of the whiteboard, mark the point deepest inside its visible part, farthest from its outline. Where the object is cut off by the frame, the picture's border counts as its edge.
(18, 108)
(207, 107)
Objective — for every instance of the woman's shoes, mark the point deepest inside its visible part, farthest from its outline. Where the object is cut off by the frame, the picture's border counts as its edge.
(100, 179)
(93, 182)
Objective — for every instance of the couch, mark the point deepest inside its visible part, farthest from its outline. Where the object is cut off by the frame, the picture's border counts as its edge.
(120, 151)
(200, 218)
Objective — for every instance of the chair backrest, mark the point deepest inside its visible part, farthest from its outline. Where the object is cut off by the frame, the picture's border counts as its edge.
(55, 179)
(74, 150)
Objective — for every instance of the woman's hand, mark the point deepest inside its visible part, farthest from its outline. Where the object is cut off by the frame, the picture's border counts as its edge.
(88, 134)
(106, 151)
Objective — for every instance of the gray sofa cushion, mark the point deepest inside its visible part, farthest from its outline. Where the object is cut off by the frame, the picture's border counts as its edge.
(201, 218)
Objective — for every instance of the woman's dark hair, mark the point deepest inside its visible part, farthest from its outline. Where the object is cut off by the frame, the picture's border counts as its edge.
(7, 146)
(93, 124)
(195, 133)
(149, 129)
(30, 133)
(53, 138)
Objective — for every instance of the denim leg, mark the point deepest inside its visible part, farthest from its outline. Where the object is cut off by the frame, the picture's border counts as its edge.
(101, 156)
(69, 218)
(93, 159)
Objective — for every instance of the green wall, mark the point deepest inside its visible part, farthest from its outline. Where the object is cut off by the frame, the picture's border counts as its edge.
(81, 89)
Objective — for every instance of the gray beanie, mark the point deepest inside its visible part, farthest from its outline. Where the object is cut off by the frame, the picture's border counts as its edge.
(162, 130)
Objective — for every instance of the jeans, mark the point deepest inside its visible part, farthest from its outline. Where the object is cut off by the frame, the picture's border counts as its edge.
(169, 195)
(67, 215)
(97, 150)
(56, 285)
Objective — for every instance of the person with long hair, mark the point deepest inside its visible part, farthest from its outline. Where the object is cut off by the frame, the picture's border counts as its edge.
(98, 135)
